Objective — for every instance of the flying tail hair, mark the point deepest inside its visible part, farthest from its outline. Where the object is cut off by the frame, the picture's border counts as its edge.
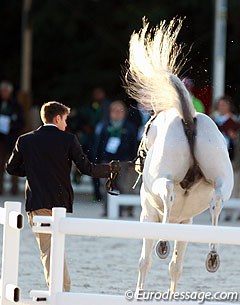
(155, 60)
(151, 78)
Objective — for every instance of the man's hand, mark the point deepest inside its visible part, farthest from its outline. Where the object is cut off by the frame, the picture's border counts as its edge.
(115, 166)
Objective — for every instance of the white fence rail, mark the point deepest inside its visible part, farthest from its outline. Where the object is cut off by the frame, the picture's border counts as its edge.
(114, 202)
(12, 221)
(58, 226)
(120, 229)
(135, 229)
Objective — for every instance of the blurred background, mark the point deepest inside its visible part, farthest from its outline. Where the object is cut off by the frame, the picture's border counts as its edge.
(77, 45)
(73, 52)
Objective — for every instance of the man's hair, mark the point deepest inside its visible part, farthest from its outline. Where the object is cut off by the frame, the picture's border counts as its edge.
(51, 109)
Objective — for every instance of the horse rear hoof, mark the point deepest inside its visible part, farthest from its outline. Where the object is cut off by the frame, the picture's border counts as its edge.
(162, 249)
(212, 261)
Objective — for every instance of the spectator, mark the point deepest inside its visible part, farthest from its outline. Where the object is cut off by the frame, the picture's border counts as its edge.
(99, 107)
(96, 116)
(227, 124)
(117, 139)
(11, 124)
(197, 103)
(84, 121)
(139, 117)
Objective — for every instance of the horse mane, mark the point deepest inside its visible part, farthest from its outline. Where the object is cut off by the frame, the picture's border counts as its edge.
(151, 73)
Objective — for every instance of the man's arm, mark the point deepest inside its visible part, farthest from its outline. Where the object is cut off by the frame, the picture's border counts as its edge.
(85, 166)
(15, 164)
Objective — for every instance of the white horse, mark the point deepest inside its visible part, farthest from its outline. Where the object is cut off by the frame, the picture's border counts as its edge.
(187, 167)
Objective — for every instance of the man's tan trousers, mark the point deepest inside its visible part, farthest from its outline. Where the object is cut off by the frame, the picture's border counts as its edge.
(44, 243)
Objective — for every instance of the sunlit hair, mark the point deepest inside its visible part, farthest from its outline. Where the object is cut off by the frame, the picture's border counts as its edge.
(151, 75)
(51, 109)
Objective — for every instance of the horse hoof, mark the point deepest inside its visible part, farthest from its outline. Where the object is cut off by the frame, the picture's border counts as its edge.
(212, 261)
(162, 249)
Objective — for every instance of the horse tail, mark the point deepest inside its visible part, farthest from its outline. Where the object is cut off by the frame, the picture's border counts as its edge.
(188, 120)
(151, 76)
(151, 79)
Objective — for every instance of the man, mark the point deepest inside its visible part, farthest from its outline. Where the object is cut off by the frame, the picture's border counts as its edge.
(45, 157)
(11, 124)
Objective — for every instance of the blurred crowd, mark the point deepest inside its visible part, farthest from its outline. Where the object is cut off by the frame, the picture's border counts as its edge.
(11, 126)
(112, 130)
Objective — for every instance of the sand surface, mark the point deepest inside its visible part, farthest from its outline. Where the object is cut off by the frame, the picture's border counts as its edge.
(109, 265)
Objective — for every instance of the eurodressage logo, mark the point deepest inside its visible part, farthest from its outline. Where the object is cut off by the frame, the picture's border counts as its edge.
(199, 297)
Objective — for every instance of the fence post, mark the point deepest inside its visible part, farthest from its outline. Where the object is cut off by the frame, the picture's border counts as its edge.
(112, 206)
(13, 222)
(57, 255)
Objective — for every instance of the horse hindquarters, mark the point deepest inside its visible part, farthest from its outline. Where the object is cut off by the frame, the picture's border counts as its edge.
(213, 159)
(212, 156)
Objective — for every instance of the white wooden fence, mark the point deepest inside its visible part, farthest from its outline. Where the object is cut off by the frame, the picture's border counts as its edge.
(12, 221)
(114, 202)
(58, 226)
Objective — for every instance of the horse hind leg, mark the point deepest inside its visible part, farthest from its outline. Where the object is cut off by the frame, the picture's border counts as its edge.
(148, 214)
(216, 205)
(176, 263)
(145, 262)
(165, 188)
